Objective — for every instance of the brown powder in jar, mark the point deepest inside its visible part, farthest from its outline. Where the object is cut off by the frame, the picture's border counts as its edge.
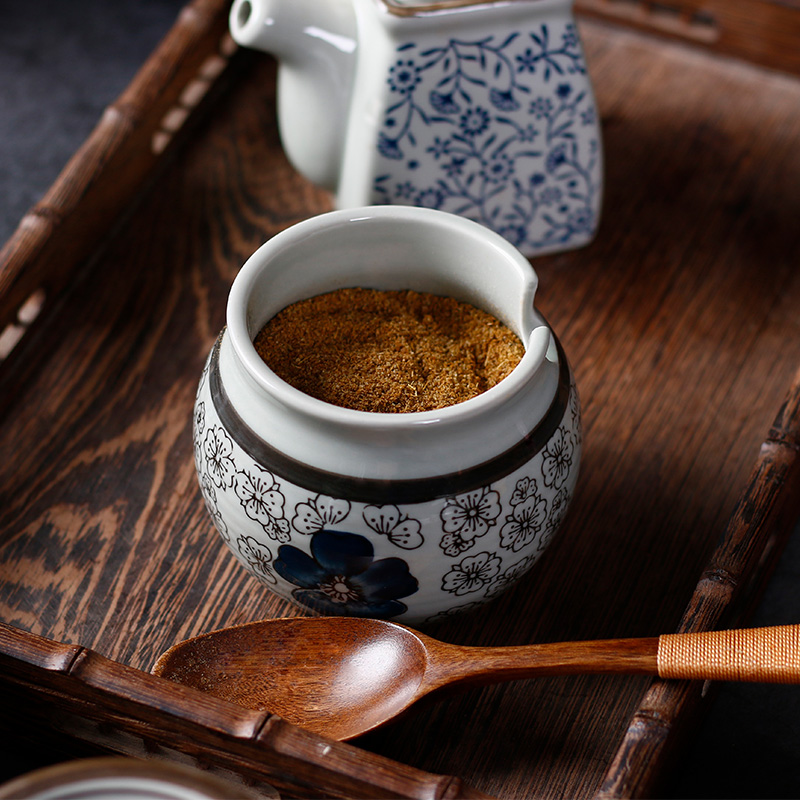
(388, 351)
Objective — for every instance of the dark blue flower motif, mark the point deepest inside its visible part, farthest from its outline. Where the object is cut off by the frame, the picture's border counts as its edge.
(537, 179)
(563, 90)
(388, 147)
(556, 158)
(444, 103)
(503, 100)
(454, 167)
(550, 195)
(582, 220)
(439, 147)
(403, 77)
(541, 107)
(341, 577)
(570, 37)
(498, 169)
(588, 117)
(474, 121)
(430, 198)
(526, 62)
(405, 190)
(528, 133)
(516, 234)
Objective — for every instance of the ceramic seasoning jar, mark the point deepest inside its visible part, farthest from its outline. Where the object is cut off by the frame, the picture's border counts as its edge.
(483, 108)
(407, 516)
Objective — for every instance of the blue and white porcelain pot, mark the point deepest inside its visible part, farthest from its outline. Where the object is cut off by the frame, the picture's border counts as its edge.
(483, 108)
(406, 516)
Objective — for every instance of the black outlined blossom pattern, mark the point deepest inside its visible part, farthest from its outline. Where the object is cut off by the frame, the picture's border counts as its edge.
(558, 508)
(389, 521)
(467, 517)
(262, 501)
(198, 427)
(557, 459)
(257, 556)
(210, 497)
(218, 449)
(334, 555)
(528, 515)
(454, 611)
(199, 420)
(511, 575)
(575, 414)
(472, 574)
(319, 512)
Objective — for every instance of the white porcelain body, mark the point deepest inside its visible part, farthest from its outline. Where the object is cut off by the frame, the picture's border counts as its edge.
(316, 45)
(407, 516)
(482, 110)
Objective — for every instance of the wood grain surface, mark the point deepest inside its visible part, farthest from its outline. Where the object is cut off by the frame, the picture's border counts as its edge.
(759, 31)
(681, 322)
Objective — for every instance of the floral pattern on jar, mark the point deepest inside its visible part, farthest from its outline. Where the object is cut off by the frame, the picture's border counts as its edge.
(413, 562)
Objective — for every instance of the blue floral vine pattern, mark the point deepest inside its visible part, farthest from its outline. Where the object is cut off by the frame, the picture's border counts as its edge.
(504, 133)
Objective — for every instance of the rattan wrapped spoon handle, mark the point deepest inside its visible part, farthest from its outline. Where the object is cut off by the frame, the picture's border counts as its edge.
(768, 655)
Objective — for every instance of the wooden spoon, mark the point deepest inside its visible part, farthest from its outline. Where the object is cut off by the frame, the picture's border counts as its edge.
(344, 676)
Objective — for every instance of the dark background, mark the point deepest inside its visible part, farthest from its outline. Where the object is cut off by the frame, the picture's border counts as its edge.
(61, 63)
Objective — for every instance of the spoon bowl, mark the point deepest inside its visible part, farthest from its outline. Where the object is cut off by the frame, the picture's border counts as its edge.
(319, 673)
(344, 676)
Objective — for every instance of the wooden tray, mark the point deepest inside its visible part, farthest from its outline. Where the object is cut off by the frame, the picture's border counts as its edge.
(681, 324)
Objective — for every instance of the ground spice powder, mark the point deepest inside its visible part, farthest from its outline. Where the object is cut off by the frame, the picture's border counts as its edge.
(388, 351)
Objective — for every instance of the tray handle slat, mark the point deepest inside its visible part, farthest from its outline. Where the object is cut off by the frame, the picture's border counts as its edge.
(93, 699)
(104, 176)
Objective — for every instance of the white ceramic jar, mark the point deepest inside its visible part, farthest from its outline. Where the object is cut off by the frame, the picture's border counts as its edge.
(483, 108)
(405, 516)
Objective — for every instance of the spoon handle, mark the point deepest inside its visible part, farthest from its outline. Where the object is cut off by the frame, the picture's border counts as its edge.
(765, 655)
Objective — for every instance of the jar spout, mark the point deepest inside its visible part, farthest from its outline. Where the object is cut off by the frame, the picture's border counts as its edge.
(541, 347)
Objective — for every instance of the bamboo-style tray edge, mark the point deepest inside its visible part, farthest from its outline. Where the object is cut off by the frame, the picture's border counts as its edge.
(124, 710)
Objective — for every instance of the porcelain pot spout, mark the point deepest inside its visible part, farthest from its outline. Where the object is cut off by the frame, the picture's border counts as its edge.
(315, 43)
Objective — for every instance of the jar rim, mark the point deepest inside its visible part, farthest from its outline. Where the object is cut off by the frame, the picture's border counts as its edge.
(382, 490)
(536, 337)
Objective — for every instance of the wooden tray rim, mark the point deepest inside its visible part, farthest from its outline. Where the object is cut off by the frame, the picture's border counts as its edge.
(56, 671)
